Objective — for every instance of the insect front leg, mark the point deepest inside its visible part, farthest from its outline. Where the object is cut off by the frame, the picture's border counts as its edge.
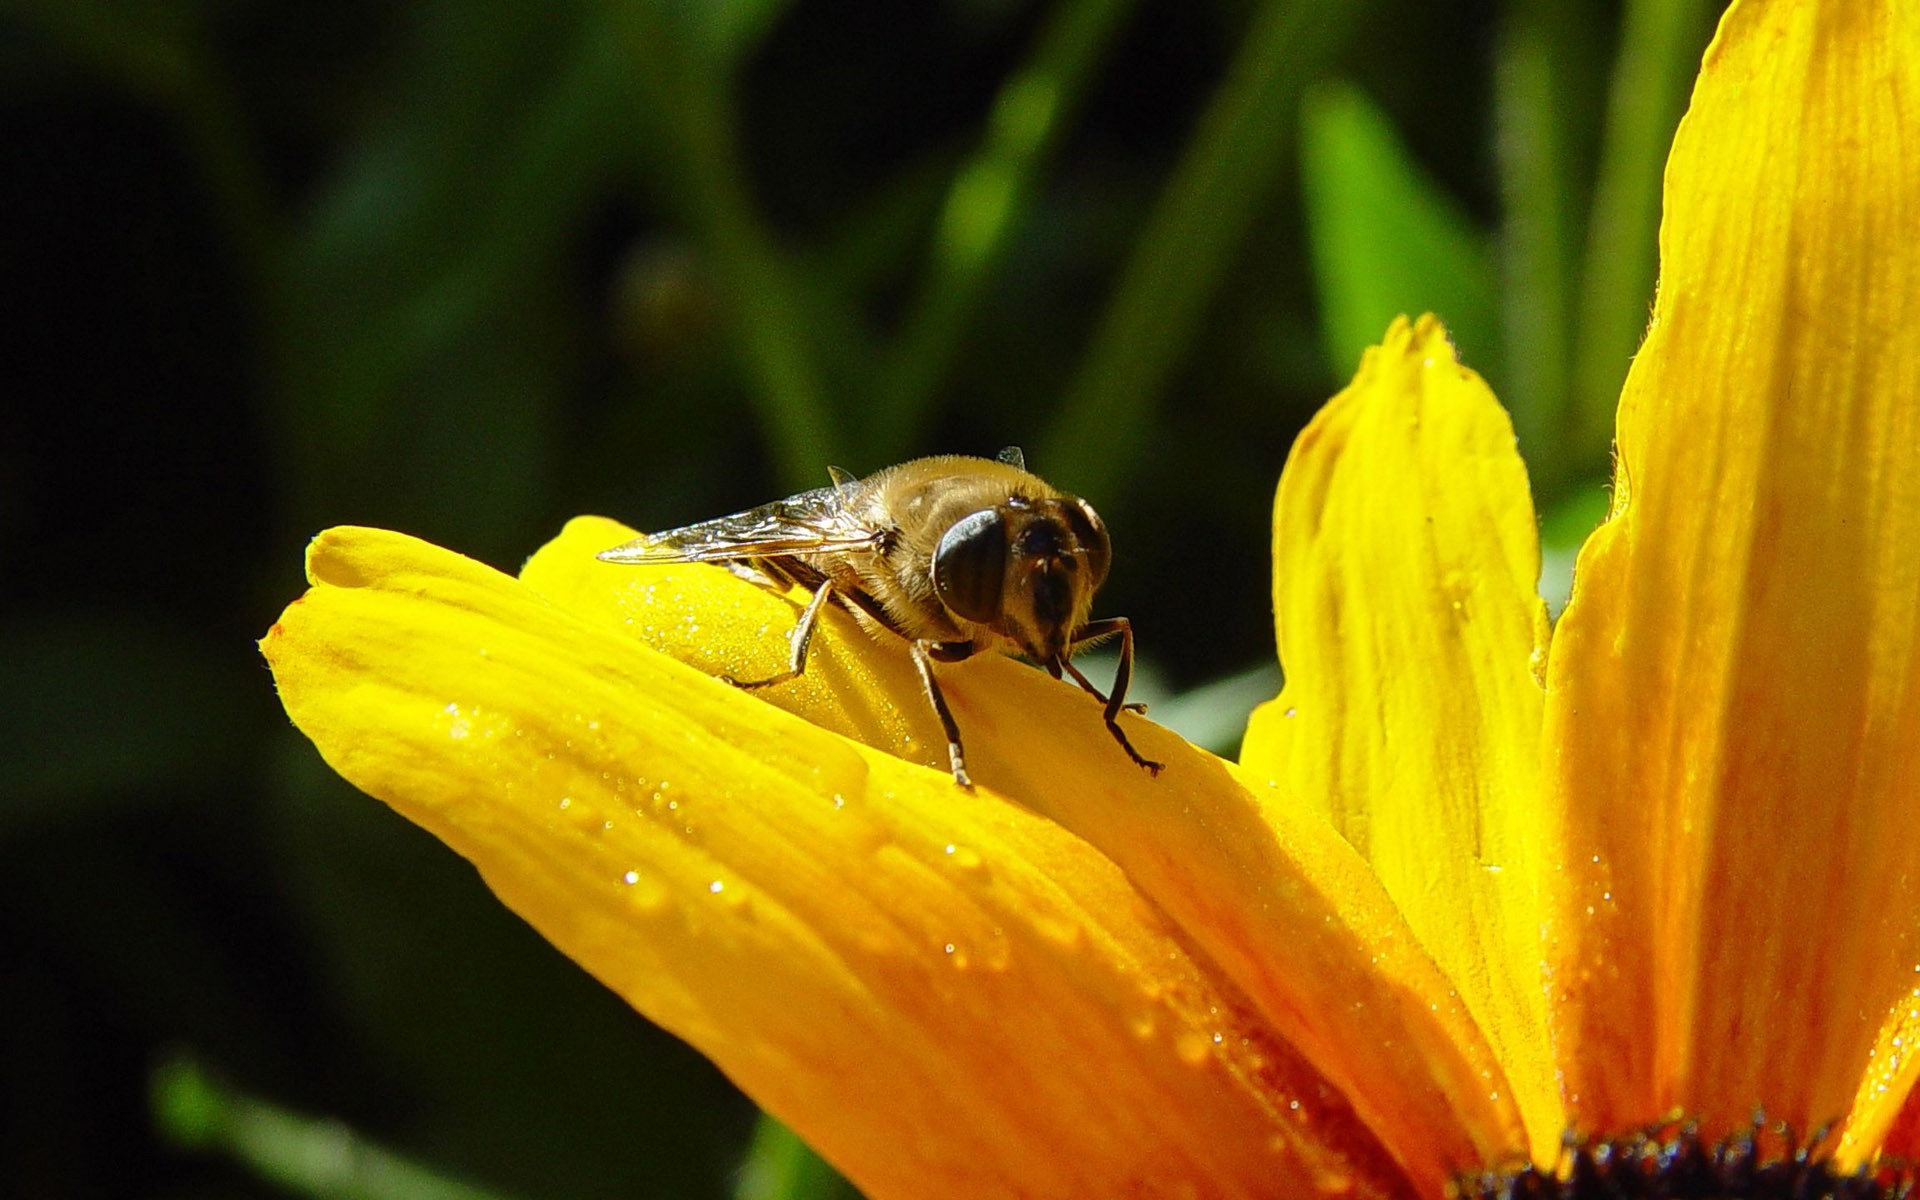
(924, 652)
(801, 640)
(1080, 677)
(1122, 675)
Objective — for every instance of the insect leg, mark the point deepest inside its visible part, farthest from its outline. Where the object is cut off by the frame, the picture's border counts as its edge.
(802, 640)
(1121, 676)
(1080, 677)
(744, 569)
(768, 573)
(923, 652)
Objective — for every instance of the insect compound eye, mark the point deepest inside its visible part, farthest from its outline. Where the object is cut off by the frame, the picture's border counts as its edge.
(1092, 533)
(970, 566)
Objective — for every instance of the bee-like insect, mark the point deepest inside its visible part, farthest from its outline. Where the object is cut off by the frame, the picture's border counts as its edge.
(957, 555)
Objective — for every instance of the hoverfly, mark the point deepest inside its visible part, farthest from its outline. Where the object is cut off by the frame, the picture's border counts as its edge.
(957, 555)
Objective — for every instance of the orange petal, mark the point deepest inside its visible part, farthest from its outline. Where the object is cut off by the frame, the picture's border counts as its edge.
(1406, 564)
(1879, 1108)
(1733, 714)
(1270, 894)
(945, 994)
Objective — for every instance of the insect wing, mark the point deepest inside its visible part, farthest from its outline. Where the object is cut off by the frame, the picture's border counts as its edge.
(811, 523)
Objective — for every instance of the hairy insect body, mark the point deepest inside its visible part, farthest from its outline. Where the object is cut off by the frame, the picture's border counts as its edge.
(957, 555)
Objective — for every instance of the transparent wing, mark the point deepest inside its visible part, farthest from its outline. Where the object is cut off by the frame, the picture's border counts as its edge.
(813, 522)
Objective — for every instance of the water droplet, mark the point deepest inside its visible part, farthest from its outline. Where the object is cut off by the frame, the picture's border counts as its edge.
(1291, 711)
(840, 801)
(964, 857)
(630, 878)
(716, 887)
(458, 726)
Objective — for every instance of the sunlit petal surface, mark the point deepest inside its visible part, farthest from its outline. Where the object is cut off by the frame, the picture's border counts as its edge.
(710, 619)
(1733, 716)
(946, 994)
(1406, 562)
(1258, 883)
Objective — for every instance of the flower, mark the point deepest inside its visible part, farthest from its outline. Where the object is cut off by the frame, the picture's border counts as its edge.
(1465, 890)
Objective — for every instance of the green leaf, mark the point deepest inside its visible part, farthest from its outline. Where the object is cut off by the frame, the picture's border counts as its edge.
(1660, 42)
(726, 31)
(1225, 175)
(1386, 238)
(1539, 105)
(426, 332)
(703, 171)
(984, 205)
(779, 1166)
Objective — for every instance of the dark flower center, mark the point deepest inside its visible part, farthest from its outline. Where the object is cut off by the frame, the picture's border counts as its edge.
(1673, 1161)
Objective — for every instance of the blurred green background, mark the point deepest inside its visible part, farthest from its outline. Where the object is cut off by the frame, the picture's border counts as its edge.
(467, 270)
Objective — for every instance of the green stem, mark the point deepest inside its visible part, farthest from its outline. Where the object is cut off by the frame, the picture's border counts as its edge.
(1229, 169)
(309, 1157)
(983, 207)
(765, 302)
(1534, 97)
(1660, 47)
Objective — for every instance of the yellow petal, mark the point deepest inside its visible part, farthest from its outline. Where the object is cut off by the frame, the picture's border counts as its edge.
(945, 994)
(1406, 564)
(711, 620)
(1732, 702)
(1271, 895)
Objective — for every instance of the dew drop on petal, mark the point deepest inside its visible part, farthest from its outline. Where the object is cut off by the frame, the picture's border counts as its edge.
(458, 723)
(1193, 1047)
(964, 857)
